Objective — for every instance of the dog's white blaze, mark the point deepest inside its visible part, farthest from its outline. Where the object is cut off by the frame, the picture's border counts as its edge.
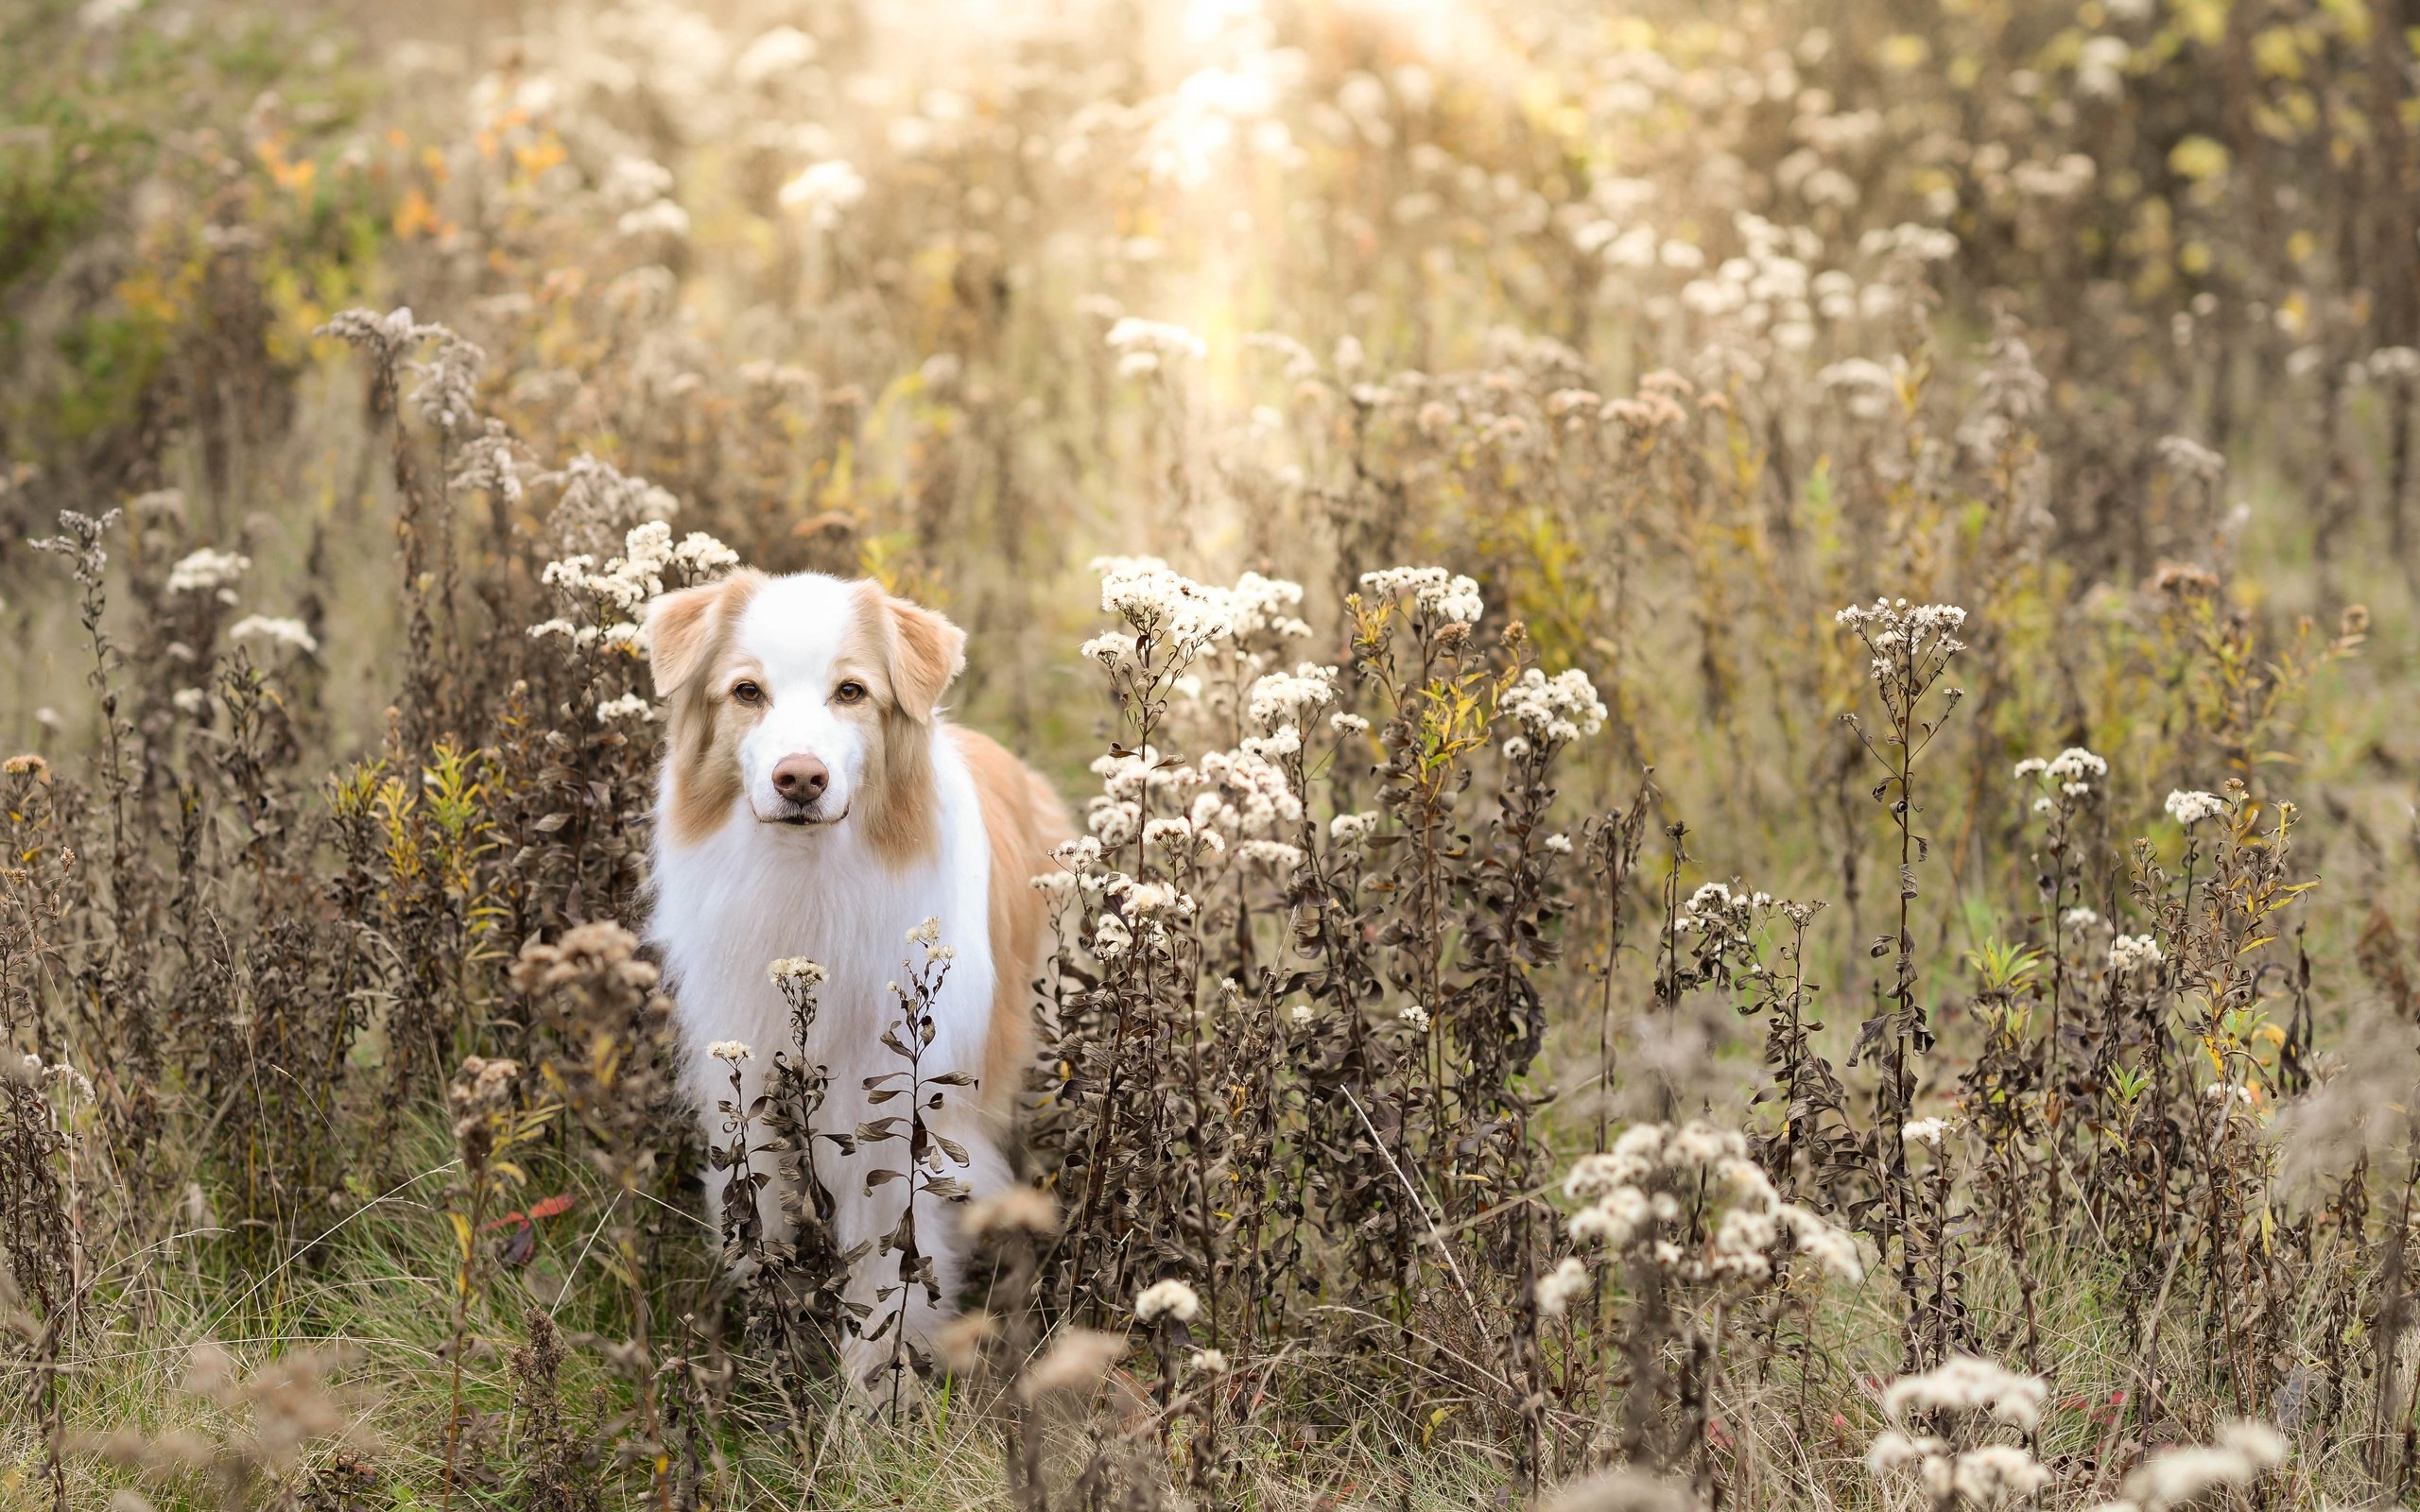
(793, 627)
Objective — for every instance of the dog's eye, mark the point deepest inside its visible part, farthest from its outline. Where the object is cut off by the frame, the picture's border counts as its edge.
(747, 693)
(849, 692)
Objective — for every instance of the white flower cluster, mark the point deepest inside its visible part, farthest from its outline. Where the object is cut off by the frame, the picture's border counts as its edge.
(1352, 829)
(630, 579)
(1924, 1131)
(1445, 598)
(2129, 954)
(207, 570)
(1769, 290)
(1925, 244)
(1982, 1476)
(1561, 707)
(2182, 454)
(2175, 1477)
(1632, 1208)
(1145, 345)
(823, 192)
(2190, 808)
(1898, 631)
(1716, 911)
(1870, 388)
(1969, 1388)
(1562, 1286)
(1258, 604)
(1286, 698)
(795, 969)
(1170, 1299)
(2074, 774)
(1161, 604)
(628, 706)
(731, 1050)
(287, 632)
(1181, 618)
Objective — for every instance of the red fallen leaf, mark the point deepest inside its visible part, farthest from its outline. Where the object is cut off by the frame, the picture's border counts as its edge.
(544, 1208)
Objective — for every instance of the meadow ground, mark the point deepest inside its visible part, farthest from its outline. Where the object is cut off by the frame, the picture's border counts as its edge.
(1739, 680)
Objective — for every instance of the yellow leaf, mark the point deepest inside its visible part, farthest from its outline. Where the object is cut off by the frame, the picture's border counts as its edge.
(2199, 158)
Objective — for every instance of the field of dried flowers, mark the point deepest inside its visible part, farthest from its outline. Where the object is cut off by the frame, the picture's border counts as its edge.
(1739, 675)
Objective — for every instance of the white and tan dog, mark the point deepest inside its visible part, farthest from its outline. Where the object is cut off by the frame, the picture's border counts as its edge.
(813, 802)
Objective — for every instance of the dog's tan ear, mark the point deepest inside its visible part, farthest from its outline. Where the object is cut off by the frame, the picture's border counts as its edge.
(680, 626)
(929, 652)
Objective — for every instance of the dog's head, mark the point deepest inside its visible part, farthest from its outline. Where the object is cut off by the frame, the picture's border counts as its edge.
(804, 702)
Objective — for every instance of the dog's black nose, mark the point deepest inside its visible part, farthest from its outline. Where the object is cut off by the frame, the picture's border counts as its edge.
(801, 779)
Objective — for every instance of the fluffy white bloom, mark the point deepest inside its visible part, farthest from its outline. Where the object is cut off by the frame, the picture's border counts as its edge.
(1990, 1473)
(1893, 1450)
(1437, 594)
(1748, 1181)
(2075, 766)
(1416, 1017)
(190, 701)
(823, 192)
(663, 218)
(1349, 829)
(1344, 724)
(1561, 707)
(287, 632)
(1562, 1286)
(2079, 918)
(1700, 1144)
(1925, 244)
(2128, 954)
(1208, 1361)
(207, 571)
(1745, 1230)
(1924, 1131)
(1167, 1299)
(702, 553)
(2185, 455)
(1111, 937)
(1969, 1384)
(1157, 337)
(1258, 604)
(2190, 808)
(1287, 697)
(1164, 604)
(2175, 1477)
(1834, 1249)
(782, 50)
(1895, 628)
(1559, 843)
(1274, 854)
(795, 969)
(622, 708)
(730, 1050)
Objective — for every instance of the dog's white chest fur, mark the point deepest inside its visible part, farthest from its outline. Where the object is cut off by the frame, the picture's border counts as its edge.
(750, 893)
